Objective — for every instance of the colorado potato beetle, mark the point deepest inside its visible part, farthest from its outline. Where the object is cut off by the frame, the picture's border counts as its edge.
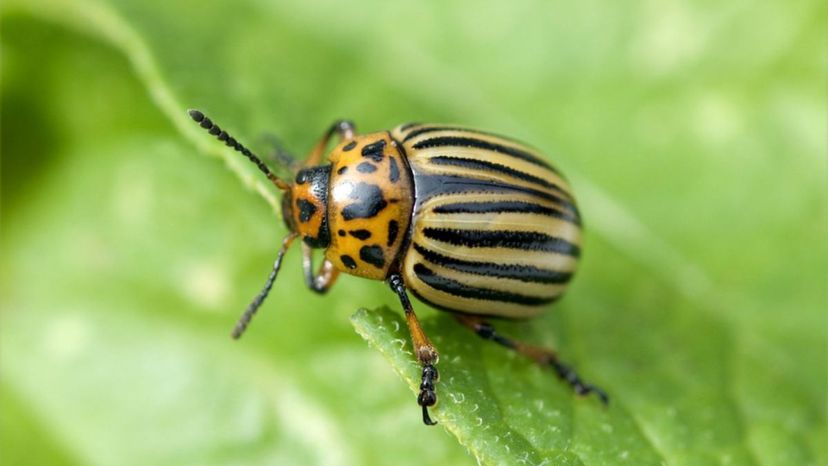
(470, 222)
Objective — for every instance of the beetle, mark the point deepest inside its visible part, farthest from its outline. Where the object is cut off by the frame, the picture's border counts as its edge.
(470, 222)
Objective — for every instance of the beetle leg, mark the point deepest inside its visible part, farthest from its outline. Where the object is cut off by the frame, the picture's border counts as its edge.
(324, 278)
(344, 128)
(244, 320)
(426, 354)
(543, 356)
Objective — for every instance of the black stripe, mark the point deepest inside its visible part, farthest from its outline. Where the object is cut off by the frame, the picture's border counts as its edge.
(524, 273)
(448, 141)
(429, 186)
(500, 207)
(485, 165)
(408, 125)
(456, 288)
(526, 240)
(432, 129)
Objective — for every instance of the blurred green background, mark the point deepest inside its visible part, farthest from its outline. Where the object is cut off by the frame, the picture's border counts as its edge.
(694, 134)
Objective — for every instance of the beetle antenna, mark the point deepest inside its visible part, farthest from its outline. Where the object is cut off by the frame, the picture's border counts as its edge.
(245, 318)
(223, 136)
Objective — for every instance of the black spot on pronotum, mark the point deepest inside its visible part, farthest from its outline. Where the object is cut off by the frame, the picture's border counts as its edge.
(395, 170)
(306, 210)
(374, 150)
(366, 167)
(373, 255)
(348, 261)
(368, 202)
(342, 170)
(349, 146)
(360, 234)
(341, 232)
(393, 230)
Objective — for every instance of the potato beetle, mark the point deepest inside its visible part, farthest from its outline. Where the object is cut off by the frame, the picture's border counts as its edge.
(470, 222)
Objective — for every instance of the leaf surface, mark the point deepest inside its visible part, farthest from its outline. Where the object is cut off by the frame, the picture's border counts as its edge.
(694, 140)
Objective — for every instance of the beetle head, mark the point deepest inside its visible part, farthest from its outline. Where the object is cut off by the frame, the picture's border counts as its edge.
(305, 205)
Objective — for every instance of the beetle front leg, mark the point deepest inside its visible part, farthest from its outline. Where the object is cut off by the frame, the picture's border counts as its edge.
(345, 129)
(423, 349)
(324, 278)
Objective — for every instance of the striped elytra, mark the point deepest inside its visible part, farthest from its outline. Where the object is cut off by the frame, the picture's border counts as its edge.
(470, 222)
(495, 229)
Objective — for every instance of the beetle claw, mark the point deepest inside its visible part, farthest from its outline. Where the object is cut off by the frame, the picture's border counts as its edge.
(427, 396)
(426, 419)
(571, 377)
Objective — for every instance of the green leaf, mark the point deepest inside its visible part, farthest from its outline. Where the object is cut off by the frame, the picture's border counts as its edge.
(502, 408)
(693, 133)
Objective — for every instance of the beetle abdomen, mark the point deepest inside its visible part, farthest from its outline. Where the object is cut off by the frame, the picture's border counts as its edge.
(495, 228)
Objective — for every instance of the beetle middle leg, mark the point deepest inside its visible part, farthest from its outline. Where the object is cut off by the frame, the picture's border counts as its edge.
(424, 350)
(542, 356)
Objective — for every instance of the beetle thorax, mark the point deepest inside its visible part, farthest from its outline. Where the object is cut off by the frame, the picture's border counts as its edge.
(370, 202)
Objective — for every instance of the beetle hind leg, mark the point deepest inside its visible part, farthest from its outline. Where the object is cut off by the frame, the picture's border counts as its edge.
(543, 356)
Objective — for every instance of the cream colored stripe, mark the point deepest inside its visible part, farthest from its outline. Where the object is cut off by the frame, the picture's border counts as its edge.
(398, 134)
(489, 175)
(541, 259)
(471, 134)
(422, 156)
(437, 201)
(505, 221)
(468, 305)
(468, 134)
